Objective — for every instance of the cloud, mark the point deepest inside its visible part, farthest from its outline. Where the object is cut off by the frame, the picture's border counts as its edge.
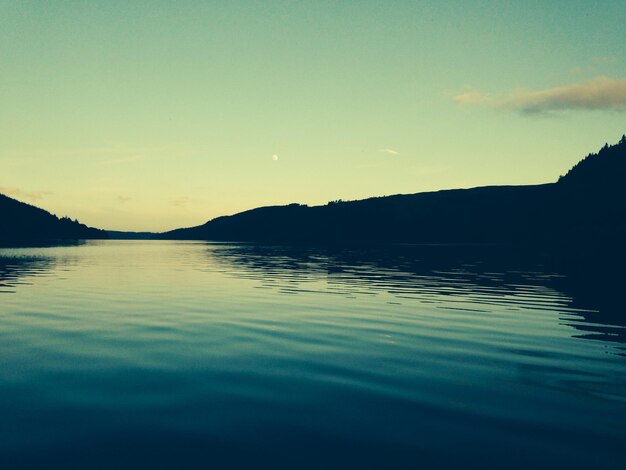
(470, 96)
(390, 151)
(601, 93)
(596, 94)
(21, 194)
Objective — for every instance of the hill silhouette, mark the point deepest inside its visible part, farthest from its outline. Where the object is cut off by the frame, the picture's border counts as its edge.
(585, 205)
(23, 223)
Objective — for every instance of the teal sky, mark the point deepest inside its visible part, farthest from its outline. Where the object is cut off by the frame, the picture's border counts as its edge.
(151, 115)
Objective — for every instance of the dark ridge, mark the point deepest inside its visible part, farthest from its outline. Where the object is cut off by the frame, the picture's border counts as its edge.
(586, 205)
(121, 235)
(23, 223)
(605, 169)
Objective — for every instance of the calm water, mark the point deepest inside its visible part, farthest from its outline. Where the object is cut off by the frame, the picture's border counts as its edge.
(188, 354)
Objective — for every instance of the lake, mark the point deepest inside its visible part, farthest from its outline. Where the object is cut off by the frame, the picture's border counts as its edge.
(161, 354)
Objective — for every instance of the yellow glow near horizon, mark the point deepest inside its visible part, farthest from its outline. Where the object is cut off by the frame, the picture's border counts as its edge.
(152, 116)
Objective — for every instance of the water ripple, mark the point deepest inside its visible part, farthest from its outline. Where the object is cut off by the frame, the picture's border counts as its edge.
(460, 355)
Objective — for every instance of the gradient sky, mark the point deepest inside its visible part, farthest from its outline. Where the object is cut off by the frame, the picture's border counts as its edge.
(151, 115)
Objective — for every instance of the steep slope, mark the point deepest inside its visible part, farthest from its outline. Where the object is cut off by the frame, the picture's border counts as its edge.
(20, 222)
(585, 205)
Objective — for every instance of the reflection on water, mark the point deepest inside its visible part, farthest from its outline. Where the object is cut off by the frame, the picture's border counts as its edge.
(15, 270)
(453, 277)
(168, 354)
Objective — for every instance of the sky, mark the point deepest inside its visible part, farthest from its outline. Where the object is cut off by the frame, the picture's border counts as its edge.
(153, 115)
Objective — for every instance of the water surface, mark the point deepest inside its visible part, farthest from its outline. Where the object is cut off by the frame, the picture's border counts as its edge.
(155, 354)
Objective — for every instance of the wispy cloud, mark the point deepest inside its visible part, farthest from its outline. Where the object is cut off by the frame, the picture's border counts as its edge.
(601, 93)
(390, 151)
(22, 194)
(469, 95)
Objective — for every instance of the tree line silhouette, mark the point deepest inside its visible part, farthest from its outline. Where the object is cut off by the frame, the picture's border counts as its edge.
(586, 205)
(24, 223)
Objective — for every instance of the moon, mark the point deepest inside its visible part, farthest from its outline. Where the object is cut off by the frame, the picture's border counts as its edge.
(275, 157)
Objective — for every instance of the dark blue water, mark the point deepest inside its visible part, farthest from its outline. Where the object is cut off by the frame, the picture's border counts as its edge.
(194, 355)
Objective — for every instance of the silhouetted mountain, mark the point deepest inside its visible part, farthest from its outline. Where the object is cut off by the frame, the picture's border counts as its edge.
(604, 170)
(23, 223)
(586, 205)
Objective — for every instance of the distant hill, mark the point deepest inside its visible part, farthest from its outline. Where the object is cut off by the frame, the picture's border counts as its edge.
(605, 169)
(119, 235)
(585, 205)
(23, 223)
